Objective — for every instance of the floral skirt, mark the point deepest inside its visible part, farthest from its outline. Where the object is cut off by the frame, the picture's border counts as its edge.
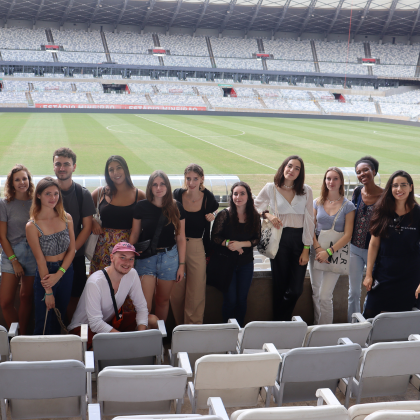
(106, 242)
(101, 257)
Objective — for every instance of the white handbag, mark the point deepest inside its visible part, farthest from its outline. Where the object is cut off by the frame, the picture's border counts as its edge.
(340, 260)
(91, 242)
(270, 236)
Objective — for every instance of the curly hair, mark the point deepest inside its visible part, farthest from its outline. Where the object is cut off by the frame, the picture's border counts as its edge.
(9, 189)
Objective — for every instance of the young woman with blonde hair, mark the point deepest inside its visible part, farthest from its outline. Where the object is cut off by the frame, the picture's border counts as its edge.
(166, 265)
(326, 206)
(188, 297)
(50, 235)
(17, 260)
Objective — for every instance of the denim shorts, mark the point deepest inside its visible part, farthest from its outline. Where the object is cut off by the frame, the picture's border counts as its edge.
(23, 252)
(164, 265)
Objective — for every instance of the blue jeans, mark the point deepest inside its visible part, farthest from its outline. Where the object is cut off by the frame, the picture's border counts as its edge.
(235, 299)
(62, 293)
(358, 261)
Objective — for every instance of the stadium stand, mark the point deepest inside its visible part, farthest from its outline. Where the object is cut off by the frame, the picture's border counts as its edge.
(22, 38)
(140, 88)
(72, 40)
(41, 85)
(59, 98)
(177, 100)
(224, 102)
(21, 55)
(187, 61)
(233, 47)
(108, 98)
(81, 57)
(126, 42)
(175, 89)
(15, 85)
(136, 59)
(89, 87)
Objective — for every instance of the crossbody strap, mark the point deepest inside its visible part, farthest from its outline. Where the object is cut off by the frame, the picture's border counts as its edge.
(111, 289)
(159, 227)
(338, 214)
(275, 199)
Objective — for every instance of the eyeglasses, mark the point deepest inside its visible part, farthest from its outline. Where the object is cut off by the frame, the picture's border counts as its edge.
(402, 185)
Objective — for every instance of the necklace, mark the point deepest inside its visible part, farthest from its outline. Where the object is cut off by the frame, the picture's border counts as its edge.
(286, 186)
(334, 201)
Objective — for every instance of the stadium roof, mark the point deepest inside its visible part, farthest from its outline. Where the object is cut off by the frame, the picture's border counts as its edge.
(368, 17)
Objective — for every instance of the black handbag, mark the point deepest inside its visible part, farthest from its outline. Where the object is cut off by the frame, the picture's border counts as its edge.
(221, 267)
(148, 248)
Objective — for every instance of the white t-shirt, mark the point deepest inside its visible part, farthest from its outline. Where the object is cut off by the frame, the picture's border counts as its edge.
(95, 305)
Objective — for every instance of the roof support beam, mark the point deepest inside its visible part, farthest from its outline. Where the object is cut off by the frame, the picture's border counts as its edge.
(175, 14)
(308, 16)
(148, 13)
(282, 16)
(67, 11)
(124, 6)
(337, 12)
(254, 16)
(416, 20)
(389, 18)
(363, 17)
(228, 15)
(203, 11)
(38, 12)
(98, 5)
(9, 12)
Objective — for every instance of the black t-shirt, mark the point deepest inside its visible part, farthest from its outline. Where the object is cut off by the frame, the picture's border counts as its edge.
(149, 215)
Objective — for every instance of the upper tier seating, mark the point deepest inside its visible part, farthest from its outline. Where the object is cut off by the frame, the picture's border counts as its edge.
(20, 55)
(186, 61)
(81, 57)
(237, 47)
(126, 42)
(78, 40)
(22, 38)
(394, 70)
(136, 59)
(184, 45)
(82, 76)
(232, 63)
(56, 75)
(395, 53)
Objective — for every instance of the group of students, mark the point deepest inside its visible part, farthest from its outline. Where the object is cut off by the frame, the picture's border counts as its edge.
(173, 230)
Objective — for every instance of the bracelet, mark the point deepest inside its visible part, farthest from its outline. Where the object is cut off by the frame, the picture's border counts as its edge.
(47, 294)
(306, 247)
(12, 257)
(329, 252)
(227, 242)
(332, 249)
(181, 263)
(317, 248)
(62, 269)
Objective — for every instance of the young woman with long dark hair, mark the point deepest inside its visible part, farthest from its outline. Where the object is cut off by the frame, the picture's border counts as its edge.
(393, 266)
(238, 228)
(188, 296)
(158, 273)
(326, 206)
(116, 206)
(295, 213)
(50, 235)
(18, 263)
(364, 198)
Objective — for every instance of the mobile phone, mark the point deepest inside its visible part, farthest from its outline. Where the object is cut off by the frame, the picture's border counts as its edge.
(375, 285)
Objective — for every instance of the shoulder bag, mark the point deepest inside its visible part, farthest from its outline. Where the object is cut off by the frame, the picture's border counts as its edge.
(122, 321)
(148, 247)
(270, 236)
(90, 244)
(339, 262)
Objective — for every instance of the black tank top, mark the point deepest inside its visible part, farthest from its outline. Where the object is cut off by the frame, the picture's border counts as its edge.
(117, 217)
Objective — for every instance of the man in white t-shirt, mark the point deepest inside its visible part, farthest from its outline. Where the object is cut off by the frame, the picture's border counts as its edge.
(95, 306)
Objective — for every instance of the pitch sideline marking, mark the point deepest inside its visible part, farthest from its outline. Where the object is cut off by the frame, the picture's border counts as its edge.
(131, 132)
(206, 141)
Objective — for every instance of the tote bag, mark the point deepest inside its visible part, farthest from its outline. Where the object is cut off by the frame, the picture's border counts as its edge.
(339, 262)
(270, 236)
(90, 244)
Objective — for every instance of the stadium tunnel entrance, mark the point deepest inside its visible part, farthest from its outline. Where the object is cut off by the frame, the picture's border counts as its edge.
(114, 88)
(339, 97)
(229, 92)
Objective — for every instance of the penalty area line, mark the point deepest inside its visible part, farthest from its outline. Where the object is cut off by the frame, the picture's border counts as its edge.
(206, 141)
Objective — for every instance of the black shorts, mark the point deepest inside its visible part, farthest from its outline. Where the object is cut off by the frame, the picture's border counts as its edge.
(80, 277)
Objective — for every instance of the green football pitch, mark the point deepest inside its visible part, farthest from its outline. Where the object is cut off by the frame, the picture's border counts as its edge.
(250, 147)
